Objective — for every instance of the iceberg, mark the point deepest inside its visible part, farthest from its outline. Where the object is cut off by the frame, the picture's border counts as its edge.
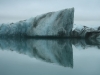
(59, 23)
(88, 32)
(52, 24)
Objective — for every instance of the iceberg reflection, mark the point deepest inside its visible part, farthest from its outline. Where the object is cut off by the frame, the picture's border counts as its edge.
(86, 43)
(52, 51)
(57, 51)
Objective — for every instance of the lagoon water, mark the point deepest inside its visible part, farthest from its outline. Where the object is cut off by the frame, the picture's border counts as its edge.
(49, 57)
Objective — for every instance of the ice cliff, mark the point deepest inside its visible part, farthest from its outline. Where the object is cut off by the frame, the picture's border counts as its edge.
(58, 23)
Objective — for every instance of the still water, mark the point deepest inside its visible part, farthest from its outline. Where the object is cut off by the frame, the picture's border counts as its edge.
(49, 57)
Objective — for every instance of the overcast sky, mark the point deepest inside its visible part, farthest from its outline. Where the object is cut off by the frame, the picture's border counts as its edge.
(15, 10)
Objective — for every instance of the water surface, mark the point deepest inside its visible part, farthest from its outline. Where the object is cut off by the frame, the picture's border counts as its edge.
(49, 57)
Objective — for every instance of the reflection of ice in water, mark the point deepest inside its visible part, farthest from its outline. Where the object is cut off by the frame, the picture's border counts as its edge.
(82, 44)
(57, 51)
(53, 51)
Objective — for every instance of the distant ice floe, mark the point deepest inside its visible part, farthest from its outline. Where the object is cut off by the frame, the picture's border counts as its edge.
(86, 31)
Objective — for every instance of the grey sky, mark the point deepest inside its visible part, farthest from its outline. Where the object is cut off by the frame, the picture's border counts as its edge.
(15, 10)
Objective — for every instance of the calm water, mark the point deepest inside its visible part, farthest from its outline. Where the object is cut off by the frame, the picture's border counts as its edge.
(49, 57)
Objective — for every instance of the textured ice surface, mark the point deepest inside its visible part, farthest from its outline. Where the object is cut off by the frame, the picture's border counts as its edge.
(58, 23)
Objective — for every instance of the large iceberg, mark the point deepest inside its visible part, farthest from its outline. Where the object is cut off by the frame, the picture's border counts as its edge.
(58, 23)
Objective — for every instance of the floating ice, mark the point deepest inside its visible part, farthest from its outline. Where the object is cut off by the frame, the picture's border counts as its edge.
(58, 23)
(86, 31)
